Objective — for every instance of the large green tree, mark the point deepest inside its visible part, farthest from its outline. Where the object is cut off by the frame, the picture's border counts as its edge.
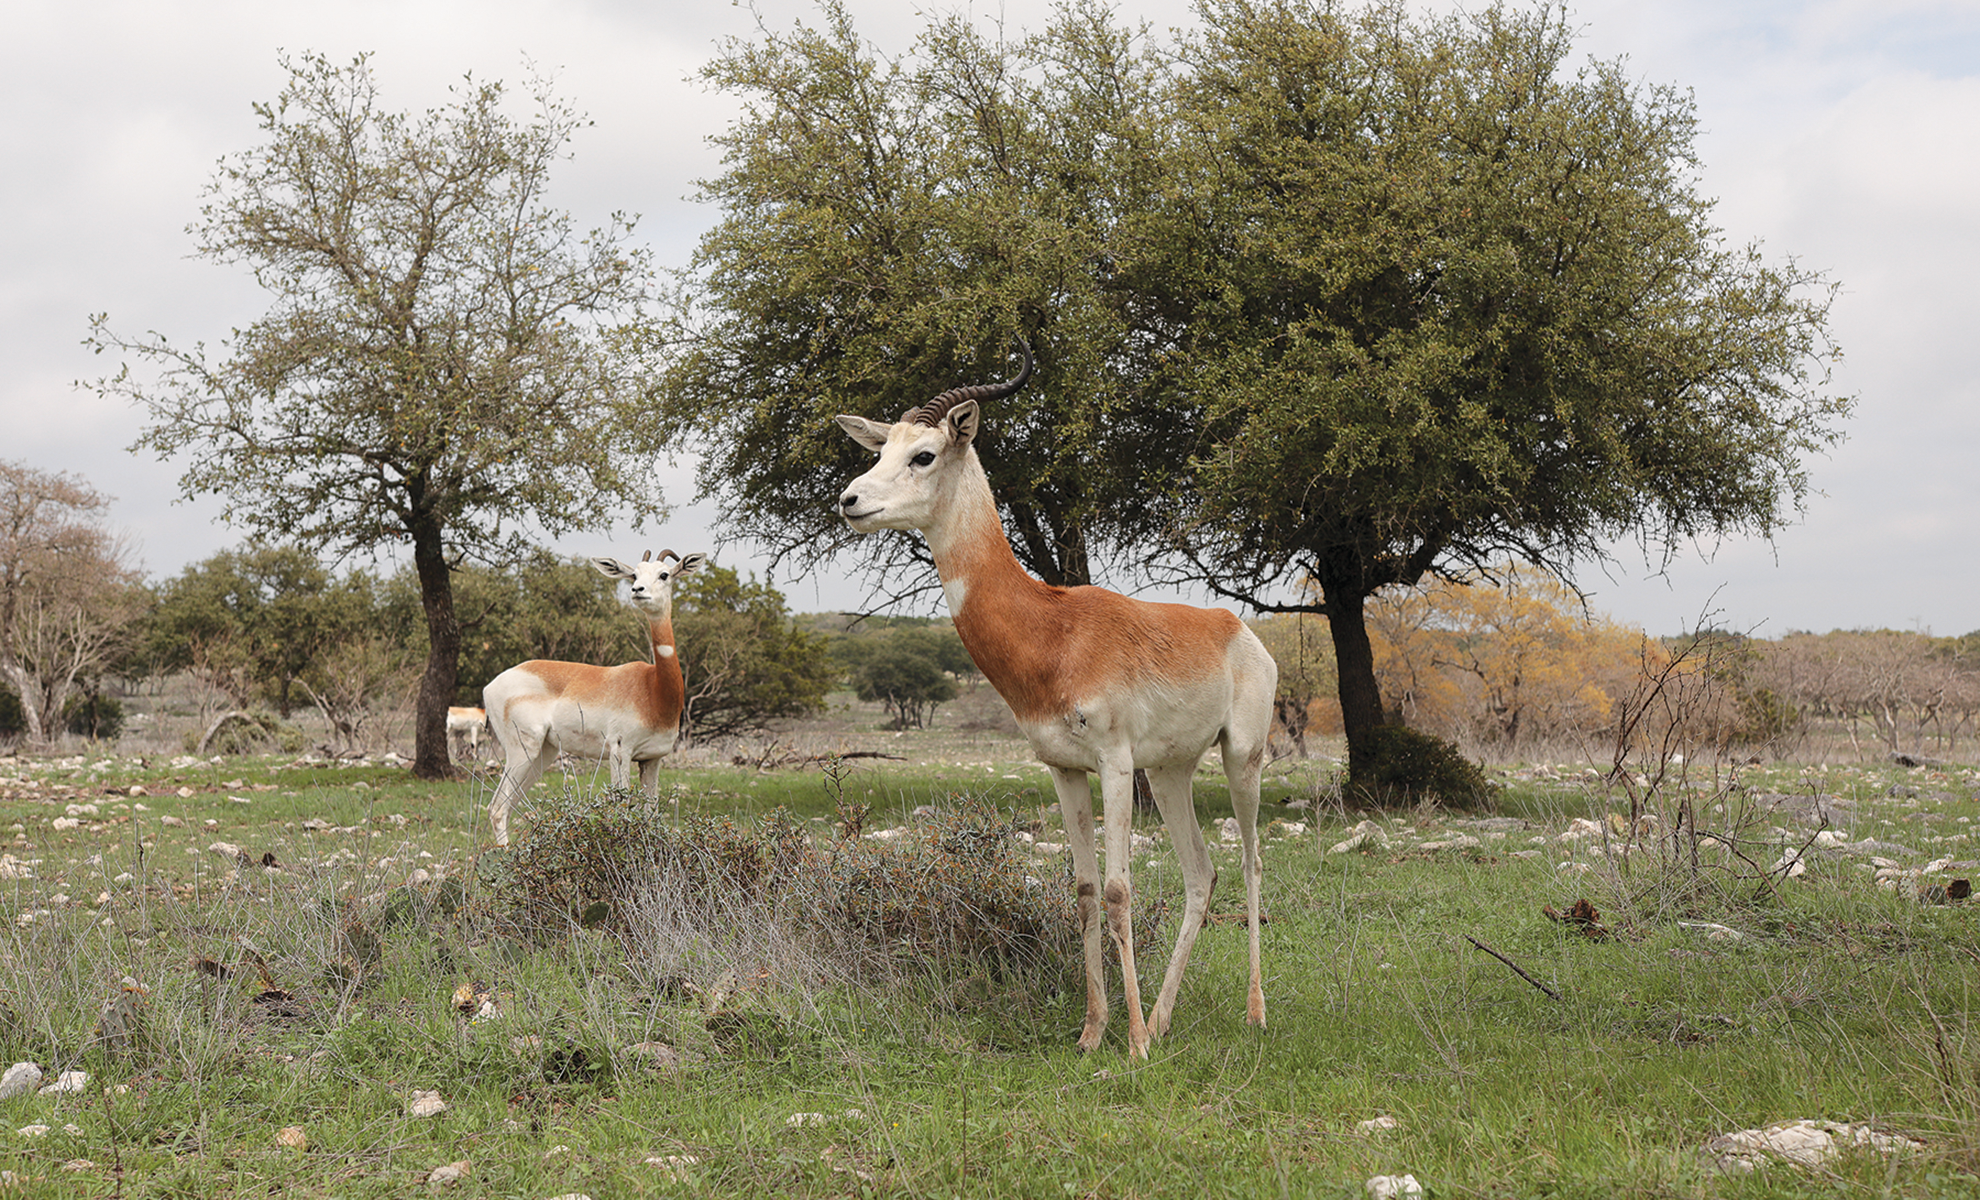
(446, 362)
(1464, 301)
(1323, 295)
(887, 227)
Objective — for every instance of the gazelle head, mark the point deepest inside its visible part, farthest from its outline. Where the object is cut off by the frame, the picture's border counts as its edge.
(653, 578)
(907, 488)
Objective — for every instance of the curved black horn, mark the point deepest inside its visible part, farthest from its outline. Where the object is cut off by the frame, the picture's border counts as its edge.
(667, 554)
(931, 413)
(647, 557)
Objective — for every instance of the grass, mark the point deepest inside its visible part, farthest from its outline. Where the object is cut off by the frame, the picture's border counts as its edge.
(1840, 1000)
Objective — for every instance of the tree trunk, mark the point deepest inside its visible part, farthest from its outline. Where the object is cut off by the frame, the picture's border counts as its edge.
(431, 759)
(1354, 655)
(30, 707)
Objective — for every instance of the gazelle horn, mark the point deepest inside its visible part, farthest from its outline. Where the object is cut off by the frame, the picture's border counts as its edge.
(931, 413)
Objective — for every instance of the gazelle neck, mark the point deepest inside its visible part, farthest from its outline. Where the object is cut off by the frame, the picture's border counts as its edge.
(971, 553)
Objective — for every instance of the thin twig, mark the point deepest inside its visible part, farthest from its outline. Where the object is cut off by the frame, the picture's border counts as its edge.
(1551, 993)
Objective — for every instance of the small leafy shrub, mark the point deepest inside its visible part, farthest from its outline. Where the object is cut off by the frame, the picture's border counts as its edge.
(1406, 766)
(94, 715)
(12, 719)
(248, 733)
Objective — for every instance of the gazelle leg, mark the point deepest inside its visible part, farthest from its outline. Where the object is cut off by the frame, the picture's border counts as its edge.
(1076, 806)
(1117, 806)
(1171, 786)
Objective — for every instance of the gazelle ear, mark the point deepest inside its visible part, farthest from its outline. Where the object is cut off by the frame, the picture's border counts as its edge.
(693, 562)
(962, 421)
(612, 567)
(870, 434)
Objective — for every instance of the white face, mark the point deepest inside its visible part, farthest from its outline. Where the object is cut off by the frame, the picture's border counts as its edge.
(652, 580)
(903, 490)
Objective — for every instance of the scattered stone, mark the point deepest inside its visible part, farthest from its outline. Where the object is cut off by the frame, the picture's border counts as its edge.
(1394, 1187)
(1365, 836)
(1802, 1143)
(67, 1081)
(184, 793)
(316, 825)
(225, 850)
(293, 1137)
(1713, 931)
(797, 1120)
(1377, 1125)
(425, 1104)
(171, 822)
(677, 1168)
(65, 823)
(33, 1131)
(1462, 841)
(453, 1172)
(659, 1056)
(81, 810)
(557, 1150)
(20, 1079)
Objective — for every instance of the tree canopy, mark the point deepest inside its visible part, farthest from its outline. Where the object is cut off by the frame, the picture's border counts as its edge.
(1320, 293)
(67, 591)
(446, 361)
(887, 227)
(1469, 304)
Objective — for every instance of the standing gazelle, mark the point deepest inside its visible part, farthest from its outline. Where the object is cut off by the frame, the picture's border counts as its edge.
(626, 714)
(1098, 681)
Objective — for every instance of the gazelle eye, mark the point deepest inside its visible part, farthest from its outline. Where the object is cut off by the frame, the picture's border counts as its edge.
(922, 459)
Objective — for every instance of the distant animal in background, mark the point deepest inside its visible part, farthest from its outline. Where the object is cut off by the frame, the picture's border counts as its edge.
(464, 726)
(626, 714)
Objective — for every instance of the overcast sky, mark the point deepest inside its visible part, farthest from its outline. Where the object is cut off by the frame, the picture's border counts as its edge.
(1844, 134)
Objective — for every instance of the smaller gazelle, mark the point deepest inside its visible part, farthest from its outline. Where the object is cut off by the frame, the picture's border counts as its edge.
(626, 714)
(1098, 681)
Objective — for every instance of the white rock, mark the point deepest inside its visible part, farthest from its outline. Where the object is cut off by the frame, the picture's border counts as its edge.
(453, 1172)
(1462, 841)
(806, 1118)
(1394, 1187)
(63, 823)
(1713, 931)
(425, 1104)
(20, 1079)
(33, 1131)
(1803, 1143)
(293, 1137)
(678, 1168)
(67, 1081)
(225, 849)
(1377, 1125)
(172, 822)
(1367, 835)
(81, 810)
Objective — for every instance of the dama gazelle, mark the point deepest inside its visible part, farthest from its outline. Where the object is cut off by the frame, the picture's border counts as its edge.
(1098, 681)
(465, 725)
(626, 714)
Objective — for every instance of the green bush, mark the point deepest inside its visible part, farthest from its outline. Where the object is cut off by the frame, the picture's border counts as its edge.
(1405, 766)
(93, 715)
(12, 719)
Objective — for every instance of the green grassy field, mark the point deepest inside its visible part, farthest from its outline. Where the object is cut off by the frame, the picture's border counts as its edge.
(1725, 996)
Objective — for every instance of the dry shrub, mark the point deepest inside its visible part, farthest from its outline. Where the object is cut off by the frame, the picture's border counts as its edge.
(705, 899)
